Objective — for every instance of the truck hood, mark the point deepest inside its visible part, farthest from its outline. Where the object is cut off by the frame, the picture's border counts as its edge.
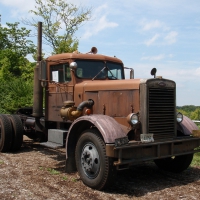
(98, 85)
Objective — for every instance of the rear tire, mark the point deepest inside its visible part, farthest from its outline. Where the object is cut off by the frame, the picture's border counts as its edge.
(94, 167)
(175, 164)
(5, 133)
(17, 132)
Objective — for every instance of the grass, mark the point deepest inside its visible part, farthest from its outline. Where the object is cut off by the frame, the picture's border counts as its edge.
(64, 178)
(1, 162)
(196, 160)
(74, 179)
(53, 171)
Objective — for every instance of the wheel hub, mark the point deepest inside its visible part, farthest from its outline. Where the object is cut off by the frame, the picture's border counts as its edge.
(90, 160)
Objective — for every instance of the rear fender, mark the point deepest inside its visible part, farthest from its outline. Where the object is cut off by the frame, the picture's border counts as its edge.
(107, 126)
(186, 126)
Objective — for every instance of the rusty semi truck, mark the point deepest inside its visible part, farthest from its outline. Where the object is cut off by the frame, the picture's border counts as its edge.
(82, 102)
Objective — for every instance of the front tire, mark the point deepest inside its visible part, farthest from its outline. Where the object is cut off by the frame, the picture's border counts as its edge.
(94, 167)
(175, 164)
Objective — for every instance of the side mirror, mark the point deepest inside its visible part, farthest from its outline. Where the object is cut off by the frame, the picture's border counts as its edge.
(153, 72)
(131, 74)
(73, 65)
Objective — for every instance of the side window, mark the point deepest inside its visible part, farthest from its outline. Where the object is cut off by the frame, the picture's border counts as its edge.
(116, 73)
(60, 73)
(115, 70)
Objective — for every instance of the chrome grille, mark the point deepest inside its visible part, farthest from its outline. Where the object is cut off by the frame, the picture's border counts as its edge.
(161, 116)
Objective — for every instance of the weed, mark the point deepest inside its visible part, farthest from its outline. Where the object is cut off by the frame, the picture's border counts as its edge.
(196, 159)
(64, 178)
(74, 179)
(53, 171)
(41, 168)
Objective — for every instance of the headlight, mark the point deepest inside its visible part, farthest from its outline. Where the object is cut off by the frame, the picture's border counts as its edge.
(132, 119)
(179, 117)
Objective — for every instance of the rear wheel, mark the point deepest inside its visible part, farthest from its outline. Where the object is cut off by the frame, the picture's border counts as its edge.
(94, 167)
(17, 132)
(5, 133)
(175, 164)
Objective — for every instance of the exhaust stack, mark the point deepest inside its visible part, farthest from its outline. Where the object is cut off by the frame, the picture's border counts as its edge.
(37, 90)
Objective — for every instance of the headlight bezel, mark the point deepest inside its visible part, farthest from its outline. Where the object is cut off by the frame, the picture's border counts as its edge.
(133, 119)
(179, 117)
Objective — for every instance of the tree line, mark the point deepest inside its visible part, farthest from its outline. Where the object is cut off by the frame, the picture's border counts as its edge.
(60, 22)
(191, 111)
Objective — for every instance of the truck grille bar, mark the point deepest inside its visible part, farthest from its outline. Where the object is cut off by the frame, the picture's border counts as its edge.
(161, 120)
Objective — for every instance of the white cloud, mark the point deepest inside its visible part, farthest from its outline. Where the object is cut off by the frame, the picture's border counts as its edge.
(154, 58)
(171, 37)
(160, 30)
(152, 40)
(197, 71)
(153, 24)
(19, 5)
(148, 25)
(99, 23)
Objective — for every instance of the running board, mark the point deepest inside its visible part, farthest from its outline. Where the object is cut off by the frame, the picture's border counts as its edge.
(51, 145)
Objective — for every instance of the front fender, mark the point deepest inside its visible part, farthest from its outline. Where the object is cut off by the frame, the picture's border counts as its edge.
(107, 126)
(187, 126)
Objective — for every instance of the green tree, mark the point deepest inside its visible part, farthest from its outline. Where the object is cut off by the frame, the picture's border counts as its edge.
(14, 94)
(16, 72)
(14, 38)
(196, 114)
(14, 47)
(60, 21)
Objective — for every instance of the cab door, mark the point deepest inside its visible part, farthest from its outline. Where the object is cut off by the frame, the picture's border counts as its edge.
(60, 88)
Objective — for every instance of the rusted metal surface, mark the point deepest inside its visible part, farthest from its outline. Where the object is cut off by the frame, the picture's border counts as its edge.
(56, 95)
(187, 126)
(73, 56)
(136, 152)
(37, 90)
(108, 127)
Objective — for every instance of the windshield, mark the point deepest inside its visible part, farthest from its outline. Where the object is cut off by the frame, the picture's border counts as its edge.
(89, 69)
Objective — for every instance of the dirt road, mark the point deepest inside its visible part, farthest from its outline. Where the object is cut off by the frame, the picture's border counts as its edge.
(37, 173)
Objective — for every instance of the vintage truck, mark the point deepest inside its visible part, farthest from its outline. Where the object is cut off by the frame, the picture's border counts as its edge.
(82, 102)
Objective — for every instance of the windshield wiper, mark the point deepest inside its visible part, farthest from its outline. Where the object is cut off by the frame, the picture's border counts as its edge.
(99, 73)
(106, 67)
(111, 73)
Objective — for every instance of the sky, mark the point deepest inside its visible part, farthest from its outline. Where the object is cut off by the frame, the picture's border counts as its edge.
(144, 34)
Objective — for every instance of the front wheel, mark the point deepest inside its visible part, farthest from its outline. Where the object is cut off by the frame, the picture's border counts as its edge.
(175, 164)
(94, 167)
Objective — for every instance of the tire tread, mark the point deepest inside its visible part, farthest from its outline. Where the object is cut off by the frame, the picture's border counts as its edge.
(6, 133)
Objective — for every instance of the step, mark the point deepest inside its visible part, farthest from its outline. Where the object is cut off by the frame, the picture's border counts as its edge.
(51, 145)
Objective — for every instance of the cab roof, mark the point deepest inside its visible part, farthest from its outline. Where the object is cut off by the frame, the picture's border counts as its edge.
(82, 56)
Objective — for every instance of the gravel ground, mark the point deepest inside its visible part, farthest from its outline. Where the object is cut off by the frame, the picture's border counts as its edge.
(36, 172)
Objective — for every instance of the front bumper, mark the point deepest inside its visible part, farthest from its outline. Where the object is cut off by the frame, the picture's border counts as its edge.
(135, 151)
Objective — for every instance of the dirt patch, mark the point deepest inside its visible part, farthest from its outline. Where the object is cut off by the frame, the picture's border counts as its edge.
(38, 173)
